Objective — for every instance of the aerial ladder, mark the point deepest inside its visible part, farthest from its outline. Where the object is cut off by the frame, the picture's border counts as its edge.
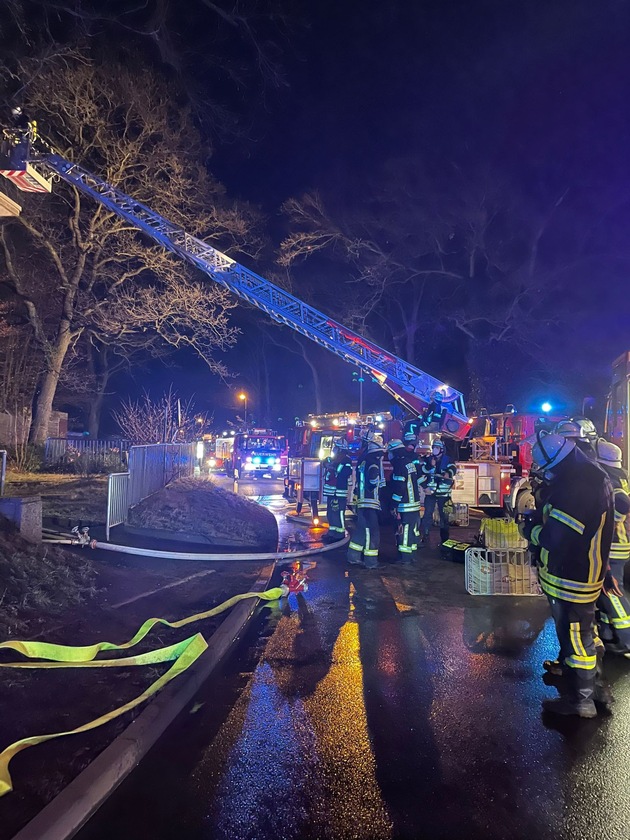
(30, 162)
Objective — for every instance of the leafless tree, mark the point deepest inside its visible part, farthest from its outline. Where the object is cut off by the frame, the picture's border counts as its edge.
(166, 420)
(86, 264)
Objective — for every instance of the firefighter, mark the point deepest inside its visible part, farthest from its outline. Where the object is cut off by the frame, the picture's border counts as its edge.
(435, 412)
(365, 541)
(405, 499)
(613, 606)
(337, 473)
(582, 431)
(573, 532)
(437, 474)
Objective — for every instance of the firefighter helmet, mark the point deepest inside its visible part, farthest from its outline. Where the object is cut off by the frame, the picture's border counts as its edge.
(438, 444)
(607, 453)
(376, 444)
(577, 428)
(437, 396)
(395, 444)
(550, 449)
(341, 444)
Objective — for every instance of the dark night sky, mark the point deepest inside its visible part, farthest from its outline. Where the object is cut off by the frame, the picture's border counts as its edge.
(521, 84)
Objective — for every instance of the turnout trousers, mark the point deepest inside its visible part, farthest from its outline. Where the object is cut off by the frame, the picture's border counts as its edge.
(336, 513)
(430, 502)
(407, 535)
(575, 627)
(614, 612)
(366, 538)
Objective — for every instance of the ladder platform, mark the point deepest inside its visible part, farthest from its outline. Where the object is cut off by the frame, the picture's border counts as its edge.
(28, 179)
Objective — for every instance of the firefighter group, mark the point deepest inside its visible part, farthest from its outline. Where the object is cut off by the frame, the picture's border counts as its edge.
(576, 532)
(415, 481)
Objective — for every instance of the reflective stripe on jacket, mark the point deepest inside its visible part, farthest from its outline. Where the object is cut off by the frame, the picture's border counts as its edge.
(404, 482)
(576, 531)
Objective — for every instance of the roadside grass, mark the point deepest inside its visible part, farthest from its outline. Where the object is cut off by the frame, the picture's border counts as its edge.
(64, 497)
(37, 581)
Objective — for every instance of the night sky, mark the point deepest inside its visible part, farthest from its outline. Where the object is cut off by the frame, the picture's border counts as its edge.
(537, 91)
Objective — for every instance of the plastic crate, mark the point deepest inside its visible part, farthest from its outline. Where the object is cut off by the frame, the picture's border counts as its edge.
(458, 515)
(500, 534)
(500, 572)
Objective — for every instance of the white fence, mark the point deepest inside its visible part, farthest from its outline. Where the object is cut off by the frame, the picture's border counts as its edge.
(86, 454)
(150, 469)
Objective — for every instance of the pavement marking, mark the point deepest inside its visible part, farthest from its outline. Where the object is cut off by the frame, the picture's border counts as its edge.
(397, 591)
(161, 588)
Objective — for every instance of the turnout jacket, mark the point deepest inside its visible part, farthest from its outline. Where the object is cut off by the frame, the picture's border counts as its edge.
(404, 482)
(620, 548)
(337, 472)
(368, 481)
(437, 474)
(575, 531)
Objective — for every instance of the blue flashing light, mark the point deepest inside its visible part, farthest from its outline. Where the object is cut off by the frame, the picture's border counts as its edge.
(256, 460)
(546, 407)
(271, 460)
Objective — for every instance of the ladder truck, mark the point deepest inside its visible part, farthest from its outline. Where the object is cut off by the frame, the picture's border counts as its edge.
(30, 163)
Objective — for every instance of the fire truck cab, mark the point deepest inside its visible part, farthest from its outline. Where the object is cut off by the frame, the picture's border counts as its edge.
(259, 453)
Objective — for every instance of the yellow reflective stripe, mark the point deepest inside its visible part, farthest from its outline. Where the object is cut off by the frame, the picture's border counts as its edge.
(535, 534)
(566, 595)
(619, 608)
(595, 552)
(355, 546)
(567, 520)
(621, 623)
(576, 639)
(588, 663)
(570, 584)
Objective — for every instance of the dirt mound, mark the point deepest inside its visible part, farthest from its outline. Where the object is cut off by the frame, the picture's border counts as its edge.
(37, 581)
(196, 506)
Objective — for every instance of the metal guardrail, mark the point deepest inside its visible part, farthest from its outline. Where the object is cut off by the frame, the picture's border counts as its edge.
(88, 453)
(150, 469)
(117, 500)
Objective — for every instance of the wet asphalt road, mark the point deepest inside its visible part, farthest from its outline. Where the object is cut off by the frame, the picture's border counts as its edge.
(385, 704)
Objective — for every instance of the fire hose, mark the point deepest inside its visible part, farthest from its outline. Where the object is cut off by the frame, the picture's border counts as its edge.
(182, 654)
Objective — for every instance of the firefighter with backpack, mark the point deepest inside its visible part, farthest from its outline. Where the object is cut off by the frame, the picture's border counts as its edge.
(405, 499)
(337, 474)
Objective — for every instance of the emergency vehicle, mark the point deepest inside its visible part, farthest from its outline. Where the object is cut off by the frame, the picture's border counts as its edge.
(617, 425)
(258, 453)
(219, 457)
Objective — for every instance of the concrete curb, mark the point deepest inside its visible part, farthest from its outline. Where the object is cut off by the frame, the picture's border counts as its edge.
(68, 812)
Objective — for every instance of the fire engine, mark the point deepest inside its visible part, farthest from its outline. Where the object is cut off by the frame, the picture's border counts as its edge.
(219, 455)
(258, 453)
(617, 425)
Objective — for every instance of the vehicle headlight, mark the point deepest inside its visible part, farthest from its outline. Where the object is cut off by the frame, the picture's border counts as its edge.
(248, 460)
(212, 462)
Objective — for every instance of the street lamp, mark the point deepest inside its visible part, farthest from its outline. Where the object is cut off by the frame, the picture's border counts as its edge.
(243, 396)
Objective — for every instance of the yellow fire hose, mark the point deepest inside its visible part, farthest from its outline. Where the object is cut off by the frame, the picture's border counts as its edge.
(182, 655)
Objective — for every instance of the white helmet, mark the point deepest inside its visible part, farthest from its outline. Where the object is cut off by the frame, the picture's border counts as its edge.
(551, 448)
(375, 445)
(578, 428)
(395, 444)
(341, 444)
(607, 453)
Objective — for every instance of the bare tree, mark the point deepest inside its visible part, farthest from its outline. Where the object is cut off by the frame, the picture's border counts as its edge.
(166, 420)
(85, 262)
(20, 360)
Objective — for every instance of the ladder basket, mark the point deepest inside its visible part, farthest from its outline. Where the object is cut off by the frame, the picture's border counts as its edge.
(500, 572)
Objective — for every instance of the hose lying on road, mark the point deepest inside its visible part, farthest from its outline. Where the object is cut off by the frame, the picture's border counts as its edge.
(182, 655)
(280, 556)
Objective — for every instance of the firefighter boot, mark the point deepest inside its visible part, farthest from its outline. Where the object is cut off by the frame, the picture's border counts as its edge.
(443, 534)
(578, 698)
